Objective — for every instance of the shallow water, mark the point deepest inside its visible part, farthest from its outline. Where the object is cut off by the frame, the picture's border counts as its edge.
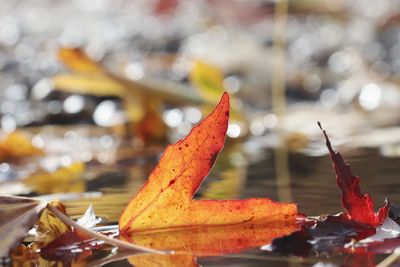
(312, 187)
(309, 182)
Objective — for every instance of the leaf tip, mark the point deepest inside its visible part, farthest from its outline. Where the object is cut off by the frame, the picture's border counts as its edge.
(328, 142)
(225, 98)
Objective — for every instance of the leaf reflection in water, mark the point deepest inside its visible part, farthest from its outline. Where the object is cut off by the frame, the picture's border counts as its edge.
(205, 241)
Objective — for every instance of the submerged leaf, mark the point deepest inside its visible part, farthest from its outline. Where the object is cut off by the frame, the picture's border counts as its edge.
(359, 206)
(29, 255)
(17, 217)
(324, 235)
(69, 247)
(165, 200)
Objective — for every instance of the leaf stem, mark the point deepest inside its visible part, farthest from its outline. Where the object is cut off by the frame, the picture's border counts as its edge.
(389, 259)
(278, 86)
(112, 241)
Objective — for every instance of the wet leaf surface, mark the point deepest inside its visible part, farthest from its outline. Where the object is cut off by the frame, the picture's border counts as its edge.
(70, 247)
(359, 206)
(359, 227)
(165, 200)
(337, 236)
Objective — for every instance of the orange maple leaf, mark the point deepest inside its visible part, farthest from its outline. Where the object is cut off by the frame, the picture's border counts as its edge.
(165, 200)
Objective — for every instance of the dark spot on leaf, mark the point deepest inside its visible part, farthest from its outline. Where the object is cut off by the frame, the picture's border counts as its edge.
(172, 182)
(213, 158)
(227, 113)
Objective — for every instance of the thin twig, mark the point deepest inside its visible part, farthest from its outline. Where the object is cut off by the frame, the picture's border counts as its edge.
(112, 241)
(278, 98)
(278, 70)
(389, 259)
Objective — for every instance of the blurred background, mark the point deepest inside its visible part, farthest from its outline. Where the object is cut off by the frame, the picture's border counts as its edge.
(92, 91)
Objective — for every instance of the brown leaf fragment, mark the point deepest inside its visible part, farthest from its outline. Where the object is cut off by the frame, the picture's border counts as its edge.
(17, 217)
(49, 226)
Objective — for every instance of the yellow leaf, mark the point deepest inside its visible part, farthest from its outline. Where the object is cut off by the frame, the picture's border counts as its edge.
(16, 145)
(50, 226)
(77, 60)
(208, 79)
(99, 85)
(67, 179)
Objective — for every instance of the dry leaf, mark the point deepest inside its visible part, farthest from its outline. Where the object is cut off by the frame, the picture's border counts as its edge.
(150, 88)
(17, 216)
(49, 226)
(208, 79)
